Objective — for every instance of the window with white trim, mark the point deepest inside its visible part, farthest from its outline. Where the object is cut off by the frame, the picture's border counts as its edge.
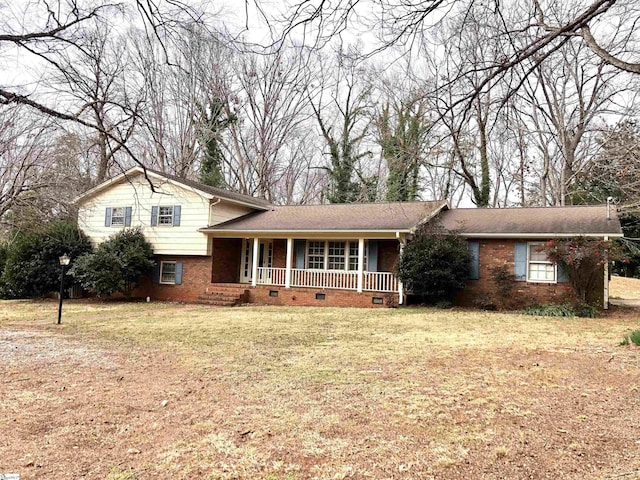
(117, 216)
(165, 215)
(315, 255)
(539, 267)
(336, 257)
(333, 255)
(168, 272)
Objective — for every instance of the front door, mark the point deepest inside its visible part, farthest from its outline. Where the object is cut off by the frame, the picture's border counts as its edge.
(265, 259)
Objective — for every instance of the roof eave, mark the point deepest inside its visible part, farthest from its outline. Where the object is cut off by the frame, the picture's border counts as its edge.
(538, 235)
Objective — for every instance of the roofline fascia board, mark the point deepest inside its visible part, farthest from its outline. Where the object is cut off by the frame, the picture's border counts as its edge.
(139, 170)
(392, 232)
(539, 235)
(263, 208)
(105, 184)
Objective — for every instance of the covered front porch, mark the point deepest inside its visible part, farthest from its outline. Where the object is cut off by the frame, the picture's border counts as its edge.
(352, 264)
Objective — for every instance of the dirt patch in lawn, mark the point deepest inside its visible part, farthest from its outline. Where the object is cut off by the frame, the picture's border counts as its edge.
(136, 392)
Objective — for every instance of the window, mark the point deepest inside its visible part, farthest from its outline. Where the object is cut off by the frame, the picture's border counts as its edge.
(353, 256)
(165, 215)
(340, 255)
(315, 255)
(336, 258)
(117, 217)
(168, 272)
(539, 268)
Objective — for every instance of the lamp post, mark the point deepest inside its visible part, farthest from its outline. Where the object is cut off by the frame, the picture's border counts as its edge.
(64, 261)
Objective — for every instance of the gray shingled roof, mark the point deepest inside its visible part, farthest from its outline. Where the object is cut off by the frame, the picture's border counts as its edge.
(218, 192)
(578, 220)
(335, 217)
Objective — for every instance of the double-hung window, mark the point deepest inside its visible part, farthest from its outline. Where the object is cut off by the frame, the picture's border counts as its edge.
(333, 255)
(336, 256)
(168, 272)
(315, 255)
(117, 217)
(539, 267)
(165, 215)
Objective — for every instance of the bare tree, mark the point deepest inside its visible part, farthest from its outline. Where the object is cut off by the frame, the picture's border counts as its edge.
(25, 161)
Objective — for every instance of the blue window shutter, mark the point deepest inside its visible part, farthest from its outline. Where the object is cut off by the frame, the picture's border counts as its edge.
(178, 273)
(520, 262)
(154, 216)
(300, 247)
(372, 257)
(176, 215)
(562, 274)
(156, 272)
(107, 217)
(474, 268)
(127, 217)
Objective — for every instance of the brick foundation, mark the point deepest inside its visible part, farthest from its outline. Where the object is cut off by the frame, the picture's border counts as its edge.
(307, 297)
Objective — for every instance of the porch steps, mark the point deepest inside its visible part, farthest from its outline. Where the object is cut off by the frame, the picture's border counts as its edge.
(224, 295)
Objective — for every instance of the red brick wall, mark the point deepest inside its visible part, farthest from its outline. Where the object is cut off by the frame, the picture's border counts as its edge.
(226, 253)
(280, 253)
(196, 276)
(499, 252)
(387, 254)
(307, 297)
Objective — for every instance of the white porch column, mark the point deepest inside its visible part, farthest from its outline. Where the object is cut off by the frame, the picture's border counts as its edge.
(360, 264)
(400, 286)
(605, 300)
(254, 265)
(287, 273)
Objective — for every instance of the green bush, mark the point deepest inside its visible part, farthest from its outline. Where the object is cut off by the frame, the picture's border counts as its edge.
(117, 265)
(633, 337)
(32, 268)
(550, 311)
(435, 265)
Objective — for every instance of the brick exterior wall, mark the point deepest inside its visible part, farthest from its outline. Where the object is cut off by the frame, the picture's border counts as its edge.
(485, 291)
(226, 257)
(196, 277)
(223, 267)
(307, 297)
(280, 253)
(388, 251)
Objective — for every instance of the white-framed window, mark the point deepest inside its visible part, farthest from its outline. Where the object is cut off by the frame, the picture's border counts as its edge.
(168, 272)
(333, 255)
(353, 255)
(539, 267)
(315, 254)
(117, 216)
(336, 258)
(165, 215)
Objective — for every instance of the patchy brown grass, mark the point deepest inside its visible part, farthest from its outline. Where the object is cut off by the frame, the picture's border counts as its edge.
(627, 288)
(132, 391)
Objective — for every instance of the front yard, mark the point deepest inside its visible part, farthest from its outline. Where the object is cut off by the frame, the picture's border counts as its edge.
(136, 391)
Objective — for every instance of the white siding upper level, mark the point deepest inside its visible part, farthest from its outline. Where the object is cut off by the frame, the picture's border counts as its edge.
(171, 231)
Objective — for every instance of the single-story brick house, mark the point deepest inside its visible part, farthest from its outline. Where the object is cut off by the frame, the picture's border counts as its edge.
(222, 247)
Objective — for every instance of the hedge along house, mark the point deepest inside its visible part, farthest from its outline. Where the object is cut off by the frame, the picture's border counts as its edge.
(224, 248)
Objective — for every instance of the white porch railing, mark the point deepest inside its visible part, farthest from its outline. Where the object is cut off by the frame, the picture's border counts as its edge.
(324, 279)
(340, 279)
(271, 276)
(380, 282)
